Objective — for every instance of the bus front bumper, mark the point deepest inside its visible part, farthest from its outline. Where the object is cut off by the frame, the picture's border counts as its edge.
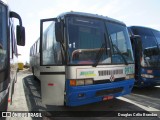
(147, 82)
(80, 95)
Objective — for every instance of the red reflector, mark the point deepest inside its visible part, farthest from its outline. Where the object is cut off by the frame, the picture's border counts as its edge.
(149, 71)
(9, 100)
(50, 84)
(107, 97)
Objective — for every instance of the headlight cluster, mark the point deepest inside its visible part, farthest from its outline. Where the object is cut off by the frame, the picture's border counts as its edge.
(81, 82)
(129, 76)
(147, 76)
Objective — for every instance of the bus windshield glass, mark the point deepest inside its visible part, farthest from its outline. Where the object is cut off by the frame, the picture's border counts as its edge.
(120, 43)
(157, 35)
(150, 44)
(86, 37)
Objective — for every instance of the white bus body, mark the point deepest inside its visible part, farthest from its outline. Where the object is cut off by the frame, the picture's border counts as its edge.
(82, 58)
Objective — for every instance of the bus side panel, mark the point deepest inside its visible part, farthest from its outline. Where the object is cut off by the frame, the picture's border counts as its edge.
(13, 61)
(52, 89)
(4, 89)
(36, 58)
(4, 102)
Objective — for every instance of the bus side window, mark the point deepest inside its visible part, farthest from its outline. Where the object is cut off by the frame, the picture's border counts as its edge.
(13, 43)
(37, 46)
(51, 49)
(3, 36)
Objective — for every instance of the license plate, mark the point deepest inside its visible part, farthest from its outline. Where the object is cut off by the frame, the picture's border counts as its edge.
(107, 97)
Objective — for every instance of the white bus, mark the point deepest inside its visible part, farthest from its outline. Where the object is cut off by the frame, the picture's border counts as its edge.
(8, 53)
(82, 58)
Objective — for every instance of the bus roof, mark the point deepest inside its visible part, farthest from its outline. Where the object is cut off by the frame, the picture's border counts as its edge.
(91, 15)
(4, 1)
(143, 27)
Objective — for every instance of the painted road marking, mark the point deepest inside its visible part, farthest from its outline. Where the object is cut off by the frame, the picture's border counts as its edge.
(149, 109)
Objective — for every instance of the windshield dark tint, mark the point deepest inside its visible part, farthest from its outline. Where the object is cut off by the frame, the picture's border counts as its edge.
(120, 43)
(157, 35)
(150, 44)
(85, 38)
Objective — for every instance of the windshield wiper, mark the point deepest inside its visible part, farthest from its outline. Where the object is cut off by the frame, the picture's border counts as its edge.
(99, 55)
(100, 52)
(119, 52)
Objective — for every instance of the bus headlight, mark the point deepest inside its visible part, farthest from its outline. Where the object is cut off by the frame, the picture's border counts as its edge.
(147, 76)
(81, 82)
(130, 76)
(88, 81)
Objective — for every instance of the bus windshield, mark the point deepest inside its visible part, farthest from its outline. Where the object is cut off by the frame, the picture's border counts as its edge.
(157, 36)
(86, 37)
(120, 44)
(150, 44)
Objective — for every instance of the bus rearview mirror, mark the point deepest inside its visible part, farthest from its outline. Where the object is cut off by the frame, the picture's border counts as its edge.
(136, 40)
(20, 35)
(59, 32)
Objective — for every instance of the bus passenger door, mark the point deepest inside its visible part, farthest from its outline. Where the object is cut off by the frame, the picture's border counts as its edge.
(52, 71)
(137, 50)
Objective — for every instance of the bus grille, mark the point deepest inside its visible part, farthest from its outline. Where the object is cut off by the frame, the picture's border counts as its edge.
(109, 91)
(110, 72)
(108, 81)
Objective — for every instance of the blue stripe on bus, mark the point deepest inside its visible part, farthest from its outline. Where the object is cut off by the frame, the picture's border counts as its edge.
(146, 82)
(80, 95)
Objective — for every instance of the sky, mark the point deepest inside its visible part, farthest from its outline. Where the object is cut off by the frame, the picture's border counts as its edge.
(131, 12)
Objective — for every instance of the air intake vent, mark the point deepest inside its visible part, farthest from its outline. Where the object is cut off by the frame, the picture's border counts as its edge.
(110, 72)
